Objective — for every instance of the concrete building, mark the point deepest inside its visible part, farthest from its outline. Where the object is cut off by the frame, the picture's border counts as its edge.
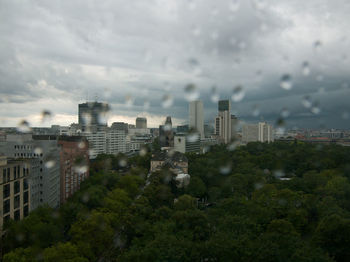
(166, 136)
(44, 155)
(234, 126)
(187, 143)
(196, 121)
(223, 127)
(74, 164)
(97, 143)
(116, 141)
(120, 126)
(261, 132)
(182, 129)
(141, 122)
(14, 189)
(93, 114)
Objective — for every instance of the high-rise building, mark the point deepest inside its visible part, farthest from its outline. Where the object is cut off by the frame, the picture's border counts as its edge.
(141, 122)
(166, 135)
(234, 125)
(14, 189)
(223, 128)
(120, 126)
(261, 132)
(187, 143)
(44, 156)
(196, 121)
(93, 114)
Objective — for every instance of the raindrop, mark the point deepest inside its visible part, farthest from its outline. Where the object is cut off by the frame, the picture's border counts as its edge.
(81, 169)
(81, 145)
(233, 5)
(237, 94)
(38, 150)
(122, 162)
(285, 112)
(281, 126)
(258, 186)
(315, 109)
(256, 111)
(195, 66)
(193, 137)
(85, 198)
(317, 45)
(129, 101)
(167, 127)
(45, 115)
(146, 104)
(286, 82)
(232, 146)
(143, 151)
(214, 96)
(345, 115)
(278, 173)
(23, 126)
(306, 68)
(226, 169)
(191, 92)
(196, 31)
(319, 78)
(306, 101)
(86, 117)
(214, 35)
(50, 163)
(167, 101)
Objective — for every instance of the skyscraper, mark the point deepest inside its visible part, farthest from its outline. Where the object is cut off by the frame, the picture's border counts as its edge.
(93, 114)
(223, 121)
(196, 117)
(141, 122)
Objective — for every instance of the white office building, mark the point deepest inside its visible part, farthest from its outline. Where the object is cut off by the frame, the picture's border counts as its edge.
(261, 132)
(223, 126)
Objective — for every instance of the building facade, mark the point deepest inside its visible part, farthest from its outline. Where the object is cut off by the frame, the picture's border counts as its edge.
(92, 114)
(14, 189)
(141, 122)
(223, 127)
(196, 118)
(261, 132)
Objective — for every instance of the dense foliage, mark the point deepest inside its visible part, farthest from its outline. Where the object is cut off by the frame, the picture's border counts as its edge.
(237, 207)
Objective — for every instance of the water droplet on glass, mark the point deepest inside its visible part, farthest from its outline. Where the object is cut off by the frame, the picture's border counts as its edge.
(281, 126)
(285, 112)
(23, 127)
(85, 198)
(278, 173)
(233, 5)
(306, 68)
(122, 162)
(306, 101)
(80, 169)
(45, 115)
(315, 109)
(195, 66)
(256, 111)
(317, 45)
(192, 137)
(191, 92)
(167, 127)
(237, 94)
(214, 96)
(286, 82)
(86, 117)
(81, 145)
(196, 31)
(319, 78)
(143, 151)
(50, 163)
(345, 115)
(226, 169)
(167, 101)
(214, 35)
(38, 151)
(258, 186)
(232, 146)
(129, 101)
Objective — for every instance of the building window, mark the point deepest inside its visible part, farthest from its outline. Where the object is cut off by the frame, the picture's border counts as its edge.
(25, 211)
(25, 197)
(15, 172)
(7, 218)
(25, 184)
(6, 206)
(7, 190)
(8, 175)
(16, 187)
(16, 202)
(17, 215)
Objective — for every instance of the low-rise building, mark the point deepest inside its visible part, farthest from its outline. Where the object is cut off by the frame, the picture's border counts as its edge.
(176, 161)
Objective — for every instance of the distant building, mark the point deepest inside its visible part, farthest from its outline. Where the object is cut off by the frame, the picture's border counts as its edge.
(93, 114)
(196, 121)
(14, 189)
(187, 143)
(234, 125)
(141, 122)
(209, 130)
(120, 126)
(182, 129)
(177, 162)
(261, 132)
(223, 127)
(74, 164)
(166, 136)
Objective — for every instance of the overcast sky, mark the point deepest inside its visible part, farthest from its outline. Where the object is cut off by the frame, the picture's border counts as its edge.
(139, 56)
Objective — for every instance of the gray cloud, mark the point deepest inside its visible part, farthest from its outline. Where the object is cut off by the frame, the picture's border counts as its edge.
(55, 54)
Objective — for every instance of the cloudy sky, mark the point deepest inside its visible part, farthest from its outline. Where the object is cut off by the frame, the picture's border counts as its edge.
(275, 58)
